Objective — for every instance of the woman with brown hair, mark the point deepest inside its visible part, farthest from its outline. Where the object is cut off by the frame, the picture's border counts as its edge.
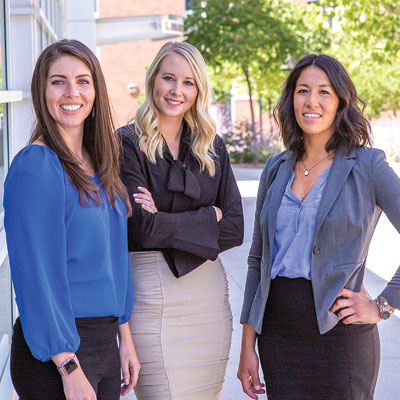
(65, 219)
(186, 210)
(317, 208)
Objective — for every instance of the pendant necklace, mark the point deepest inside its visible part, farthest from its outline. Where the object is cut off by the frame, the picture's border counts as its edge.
(82, 160)
(308, 170)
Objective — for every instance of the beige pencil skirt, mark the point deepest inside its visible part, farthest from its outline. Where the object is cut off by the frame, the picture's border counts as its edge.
(181, 328)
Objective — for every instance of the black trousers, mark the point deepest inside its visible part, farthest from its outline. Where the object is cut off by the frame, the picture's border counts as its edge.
(98, 355)
(301, 364)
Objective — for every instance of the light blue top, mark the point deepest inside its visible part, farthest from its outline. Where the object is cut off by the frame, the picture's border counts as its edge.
(294, 232)
(67, 260)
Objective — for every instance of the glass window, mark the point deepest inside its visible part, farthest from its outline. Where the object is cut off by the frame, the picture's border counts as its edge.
(5, 308)
(3, 166)
(1, 63)
(2, 115)
(5, 278)
(1, 49)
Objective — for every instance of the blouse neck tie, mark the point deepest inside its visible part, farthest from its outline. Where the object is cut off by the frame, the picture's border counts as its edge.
(181, 179)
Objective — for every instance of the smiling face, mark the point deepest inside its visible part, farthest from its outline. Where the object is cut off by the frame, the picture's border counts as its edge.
(69, 93)
(175, 88)
(315, 102)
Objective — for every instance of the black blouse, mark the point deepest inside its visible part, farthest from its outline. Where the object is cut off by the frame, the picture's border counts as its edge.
(185, 228)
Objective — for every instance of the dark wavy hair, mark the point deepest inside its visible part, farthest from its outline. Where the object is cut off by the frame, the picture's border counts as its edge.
(352, 129)
(99, 138)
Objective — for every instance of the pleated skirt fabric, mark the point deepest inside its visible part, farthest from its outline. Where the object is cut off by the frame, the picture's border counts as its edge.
(181, 328)
(301, 364)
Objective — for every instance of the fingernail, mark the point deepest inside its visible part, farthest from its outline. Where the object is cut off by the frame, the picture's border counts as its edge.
(137, 199)
(258, 387)
(126, 382)
(135, 194)
(139, 187)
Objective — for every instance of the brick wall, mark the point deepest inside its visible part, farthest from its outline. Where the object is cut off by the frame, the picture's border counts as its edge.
(126, 63)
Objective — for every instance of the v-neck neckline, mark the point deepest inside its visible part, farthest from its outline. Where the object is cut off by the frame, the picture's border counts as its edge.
(318, 183)
(183, 144)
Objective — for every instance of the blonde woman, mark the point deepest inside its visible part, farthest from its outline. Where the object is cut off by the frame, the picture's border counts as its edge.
(186, 210)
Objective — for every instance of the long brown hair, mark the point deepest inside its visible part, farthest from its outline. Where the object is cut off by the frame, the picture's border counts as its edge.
(352, 128)
(99, 138)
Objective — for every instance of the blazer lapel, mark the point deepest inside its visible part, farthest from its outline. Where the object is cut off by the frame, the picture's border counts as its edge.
(279, 186)
(341, 167)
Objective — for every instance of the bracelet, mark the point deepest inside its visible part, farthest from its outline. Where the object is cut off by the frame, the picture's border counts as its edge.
(381, 302)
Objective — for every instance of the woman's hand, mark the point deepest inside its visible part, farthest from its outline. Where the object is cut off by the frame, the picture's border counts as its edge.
(145, 199)
(218, 213)
(248, 373)
(356, 307)
(248, 365)
(129, 362)
(77, 386)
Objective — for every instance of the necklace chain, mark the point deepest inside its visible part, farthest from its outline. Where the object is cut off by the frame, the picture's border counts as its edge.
(308, 170)
(303, 194)
(82, 160)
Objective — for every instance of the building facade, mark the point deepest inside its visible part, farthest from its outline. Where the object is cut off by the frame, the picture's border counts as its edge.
(124, 64)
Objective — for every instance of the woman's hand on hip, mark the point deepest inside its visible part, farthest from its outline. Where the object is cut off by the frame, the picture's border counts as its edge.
(356, 307)
(130, 364)
(77, 386)
(145, 199)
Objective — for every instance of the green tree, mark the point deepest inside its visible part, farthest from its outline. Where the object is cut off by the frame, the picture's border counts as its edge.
(249, 41)
(367, 41)
(371, 24)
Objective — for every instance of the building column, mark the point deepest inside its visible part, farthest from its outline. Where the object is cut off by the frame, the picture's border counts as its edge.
(80, 22)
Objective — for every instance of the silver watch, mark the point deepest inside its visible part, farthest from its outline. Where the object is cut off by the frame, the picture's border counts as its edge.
(381, 302)
(68, 366)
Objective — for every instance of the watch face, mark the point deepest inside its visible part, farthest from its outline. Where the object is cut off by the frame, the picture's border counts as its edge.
(385, 315)
(70, 366)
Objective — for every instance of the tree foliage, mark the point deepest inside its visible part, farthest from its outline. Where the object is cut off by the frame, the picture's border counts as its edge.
(367, 42)
(248, 42)
(371, 24)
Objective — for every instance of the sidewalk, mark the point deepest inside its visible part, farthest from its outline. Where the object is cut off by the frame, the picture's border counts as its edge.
(383, 261)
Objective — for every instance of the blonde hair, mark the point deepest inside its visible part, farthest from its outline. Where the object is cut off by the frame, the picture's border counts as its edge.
(201, 125)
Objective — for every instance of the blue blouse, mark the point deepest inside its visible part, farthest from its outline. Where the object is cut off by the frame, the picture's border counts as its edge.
(294, 232)
(67, 260)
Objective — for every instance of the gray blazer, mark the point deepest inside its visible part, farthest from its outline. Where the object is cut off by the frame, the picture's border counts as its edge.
(360, 185)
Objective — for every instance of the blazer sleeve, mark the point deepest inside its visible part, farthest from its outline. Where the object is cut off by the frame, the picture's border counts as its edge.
(255, 254)
(387, 194)
(34, 203)
(231, 226)
(194, 231)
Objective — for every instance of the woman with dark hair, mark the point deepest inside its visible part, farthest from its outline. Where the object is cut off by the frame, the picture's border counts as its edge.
(65, 219)
(317, 207)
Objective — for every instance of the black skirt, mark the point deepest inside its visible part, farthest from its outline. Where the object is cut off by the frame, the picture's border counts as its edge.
(301, 364)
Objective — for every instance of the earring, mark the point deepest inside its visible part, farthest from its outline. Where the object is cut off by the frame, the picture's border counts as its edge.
(93, 112)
